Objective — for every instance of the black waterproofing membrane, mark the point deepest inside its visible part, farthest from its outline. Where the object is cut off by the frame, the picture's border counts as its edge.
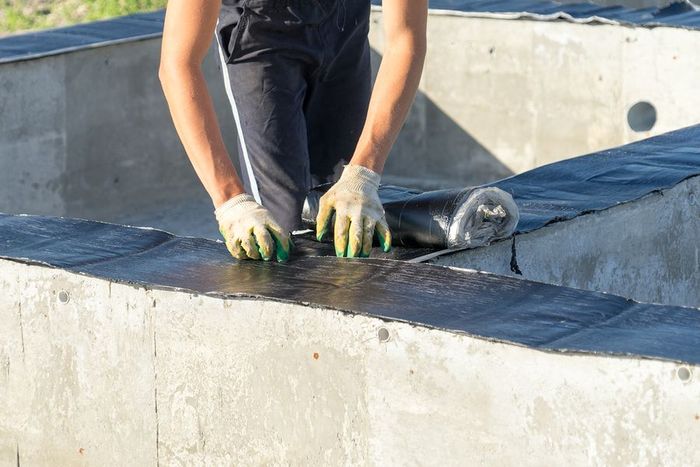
(442, 219)
(82, 36)
(149, 25)
(681, 14)
(567, 189)
(547, 194)
(531, 314)
(500, 308)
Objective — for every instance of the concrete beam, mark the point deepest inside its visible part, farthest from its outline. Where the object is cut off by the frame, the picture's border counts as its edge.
(100, 373)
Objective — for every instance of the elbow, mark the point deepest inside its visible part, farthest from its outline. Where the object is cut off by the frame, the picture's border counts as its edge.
(419, 47)
(170, 72)
(414, 46)
(162, 72)
(165, 74)
(419, 52)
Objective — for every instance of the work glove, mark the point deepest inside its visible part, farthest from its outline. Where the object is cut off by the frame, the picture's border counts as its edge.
(250, 232)
(358, 213)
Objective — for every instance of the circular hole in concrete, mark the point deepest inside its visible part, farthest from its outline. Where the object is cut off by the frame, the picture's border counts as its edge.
(383, 334)
(63, 296)
(684, 373)
(641, 116)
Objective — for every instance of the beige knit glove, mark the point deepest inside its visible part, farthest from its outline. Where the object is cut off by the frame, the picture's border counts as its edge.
(359, 213)
(250, 231)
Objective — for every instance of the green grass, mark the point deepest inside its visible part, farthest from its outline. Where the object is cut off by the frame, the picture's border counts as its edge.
(24, 15)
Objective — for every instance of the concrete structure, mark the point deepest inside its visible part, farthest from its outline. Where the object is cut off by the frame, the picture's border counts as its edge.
(107, 371)
(87, 133)
(97, 372)
(647, 250)
(503, 96)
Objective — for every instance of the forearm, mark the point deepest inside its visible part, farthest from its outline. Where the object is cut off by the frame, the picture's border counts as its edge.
(195, 120)
(394, 90)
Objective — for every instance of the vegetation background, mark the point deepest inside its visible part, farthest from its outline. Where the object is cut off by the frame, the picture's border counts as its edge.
(23, 15)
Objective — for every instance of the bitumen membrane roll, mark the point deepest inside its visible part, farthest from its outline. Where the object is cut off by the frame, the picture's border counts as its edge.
(440, 219)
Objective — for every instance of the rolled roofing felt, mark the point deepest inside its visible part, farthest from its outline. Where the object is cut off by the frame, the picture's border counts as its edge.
(453, 218)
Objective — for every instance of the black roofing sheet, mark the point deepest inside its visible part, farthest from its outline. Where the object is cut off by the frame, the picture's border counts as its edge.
(572, 187)
(558, 191)
(527, 313)
(81, 36)
(536, 315)
(146, 25)
(681, 14)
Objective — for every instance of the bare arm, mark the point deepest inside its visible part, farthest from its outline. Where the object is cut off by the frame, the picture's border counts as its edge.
(397, 81)
(189, 26)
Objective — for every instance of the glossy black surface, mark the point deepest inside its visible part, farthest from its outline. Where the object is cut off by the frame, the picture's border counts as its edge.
(679, 14)
(59, 40)
(58, 239)
(598, 181)
(537, 315)
(416, 219)
(551, 193)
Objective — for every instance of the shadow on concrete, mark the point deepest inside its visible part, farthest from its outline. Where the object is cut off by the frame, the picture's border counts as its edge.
(434, 151)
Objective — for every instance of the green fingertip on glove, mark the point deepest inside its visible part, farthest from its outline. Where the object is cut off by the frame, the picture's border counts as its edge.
(353, 248)
(384, 236)
(283, 247)
(250, 232)
(359, 214)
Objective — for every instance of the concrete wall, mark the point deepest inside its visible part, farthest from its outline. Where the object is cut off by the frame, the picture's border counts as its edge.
(504, 96)
(99, 373)
(647, 250)
(88, 133)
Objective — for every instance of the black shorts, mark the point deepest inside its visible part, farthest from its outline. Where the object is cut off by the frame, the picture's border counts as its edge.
(297, 73)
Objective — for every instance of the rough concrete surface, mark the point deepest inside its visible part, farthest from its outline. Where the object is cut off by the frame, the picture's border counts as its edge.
(647, 250)
(100, 373)
(503, 96)
(32, 137)
(88, 134)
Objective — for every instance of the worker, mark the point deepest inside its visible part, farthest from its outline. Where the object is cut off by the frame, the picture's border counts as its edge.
(297, 74)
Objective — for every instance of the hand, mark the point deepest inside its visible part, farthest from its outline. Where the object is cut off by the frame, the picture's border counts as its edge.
(250, 231)
(358, 213)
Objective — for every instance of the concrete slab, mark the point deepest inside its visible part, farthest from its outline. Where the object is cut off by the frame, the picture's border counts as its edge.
(139, 376)
(32, 136)
(77, 384)
(502, 95)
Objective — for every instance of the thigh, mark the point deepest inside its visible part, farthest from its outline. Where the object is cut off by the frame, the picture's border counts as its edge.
(339, 95)
(266, 59)
(267, 102)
